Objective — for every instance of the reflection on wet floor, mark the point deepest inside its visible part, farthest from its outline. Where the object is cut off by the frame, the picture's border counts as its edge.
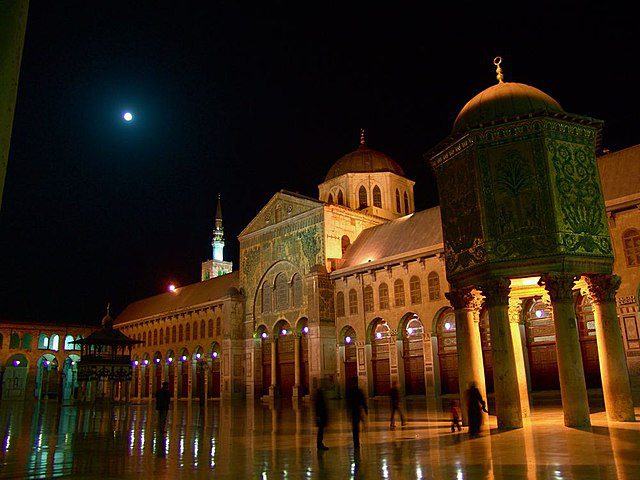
(243, 440)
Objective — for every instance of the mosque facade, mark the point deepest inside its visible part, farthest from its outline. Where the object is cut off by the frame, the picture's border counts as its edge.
(356, 283)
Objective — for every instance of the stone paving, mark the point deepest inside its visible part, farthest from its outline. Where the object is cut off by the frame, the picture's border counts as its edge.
(235, 439)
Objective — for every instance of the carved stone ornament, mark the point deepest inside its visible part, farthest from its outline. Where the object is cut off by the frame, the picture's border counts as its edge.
(559, 286)
(496, 291)
(603, 287)
(515, 310)
(461, 299)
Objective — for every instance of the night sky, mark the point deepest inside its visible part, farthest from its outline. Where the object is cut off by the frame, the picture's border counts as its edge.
(246, 101)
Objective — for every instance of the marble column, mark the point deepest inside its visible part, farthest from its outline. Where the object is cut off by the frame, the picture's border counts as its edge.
(505, 371)
(515, 310)
(296, 365)
(469, 346)
(613, 364)
(274, 368)
(573, 389)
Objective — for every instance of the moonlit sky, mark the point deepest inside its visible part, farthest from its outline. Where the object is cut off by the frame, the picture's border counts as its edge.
(246, 101)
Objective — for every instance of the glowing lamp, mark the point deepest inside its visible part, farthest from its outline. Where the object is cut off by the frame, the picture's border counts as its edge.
(16, 363)
(198, 356)
(157, 360)
(379, 335)
(172, 288)
(73, 363)
(263, 334)
(170, 359)
(46, 363)
(283, 331)
(127, 116)
(146, 362)
(214, 354)
(347, 339)
(184, 358)
(447, 326)
(305, 330)
(539, 313)
(410, 330)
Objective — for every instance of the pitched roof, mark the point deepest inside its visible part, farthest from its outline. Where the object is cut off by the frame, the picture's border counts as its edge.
(620, 173)
(401, 237)
(183, 298)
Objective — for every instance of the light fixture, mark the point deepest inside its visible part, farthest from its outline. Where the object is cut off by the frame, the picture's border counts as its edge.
(447, 326)
(184, 358)
(283, 331)
(347, 339)
(135, 363)
(170, 359)
(16, 363)
(263, 334)
(46, 363)
(172, 288)
(539, 313)
(305, 330)
(157, 360)
(410, 330)
(145, 361)
(214, 354)
(378, 335)
(73, 363)
(198, 356)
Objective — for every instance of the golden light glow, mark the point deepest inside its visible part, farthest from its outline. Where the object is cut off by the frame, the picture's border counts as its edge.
(524, 282)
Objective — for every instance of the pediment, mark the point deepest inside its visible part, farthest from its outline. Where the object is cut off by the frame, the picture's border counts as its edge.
(282, 206)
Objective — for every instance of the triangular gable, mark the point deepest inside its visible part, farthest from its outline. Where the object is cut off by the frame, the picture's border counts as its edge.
(284, 204)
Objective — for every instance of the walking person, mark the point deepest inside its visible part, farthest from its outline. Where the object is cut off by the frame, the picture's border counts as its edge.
(163, 398)
(475, 406)
(455, 417)
(322, 415)
(394, 397)
(356, 404)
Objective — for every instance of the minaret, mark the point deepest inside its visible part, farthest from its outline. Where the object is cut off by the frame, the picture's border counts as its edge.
(217, 266)
(218, 234)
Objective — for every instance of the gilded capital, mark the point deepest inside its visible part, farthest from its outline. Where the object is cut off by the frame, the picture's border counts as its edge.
(603, 287)
(496, 291)
(558, 285)
(461, 299)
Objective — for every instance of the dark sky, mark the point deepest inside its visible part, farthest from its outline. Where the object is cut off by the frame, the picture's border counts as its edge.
(246, 100)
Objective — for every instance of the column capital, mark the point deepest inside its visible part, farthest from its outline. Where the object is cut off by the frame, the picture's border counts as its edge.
(558, 285)
(496, 291)
(515, 309)
(461, 298)
(603, 287)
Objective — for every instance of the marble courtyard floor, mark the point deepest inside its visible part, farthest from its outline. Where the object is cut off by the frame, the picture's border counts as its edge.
(241, 440)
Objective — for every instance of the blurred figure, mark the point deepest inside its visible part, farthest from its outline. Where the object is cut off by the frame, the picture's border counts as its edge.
(394, 397)
(356, 404)
(163, 398)
(322, 414)
(475, 406)
(455, 417)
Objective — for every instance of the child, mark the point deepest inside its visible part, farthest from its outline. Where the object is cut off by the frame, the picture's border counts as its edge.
(455, 417)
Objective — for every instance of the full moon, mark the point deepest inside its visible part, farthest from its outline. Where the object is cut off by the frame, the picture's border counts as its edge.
(127, 116)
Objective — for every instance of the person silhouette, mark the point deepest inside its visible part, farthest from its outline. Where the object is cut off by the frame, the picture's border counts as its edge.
(475, 406)
(322, 414)
(163, 398)
(356, 404)
(394, 400)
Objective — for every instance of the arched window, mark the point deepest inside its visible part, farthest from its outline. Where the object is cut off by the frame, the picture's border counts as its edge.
(187, 332)
(54, 342)
(210, 328)
(161, 337)
(377, 197)
(362, 197)
(180, 333)
(368, 298)
(340, 304)
(26, 341)
(433, 281)
(297, 290)
(398, 204)
(68, 342)
(195, 330)
(406, 203)
(353, 302)
(202, 329)
(266, 297)
(78, 346)
(340, 198)
(345, 242)
(415, 290)
(144, 338)
(43, 342)
(174, 334)
(631, 244)
(383, 296)
(398, 293)
(282, 292)
(166, 335)
(155, 337)
(14, 341)
(330, 199)
(218, 327)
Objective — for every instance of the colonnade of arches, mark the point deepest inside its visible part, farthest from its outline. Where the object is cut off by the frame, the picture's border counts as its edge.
(194, 374)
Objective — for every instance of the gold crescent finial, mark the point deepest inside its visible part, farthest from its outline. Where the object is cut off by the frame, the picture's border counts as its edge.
(497, 61)
(362, 136)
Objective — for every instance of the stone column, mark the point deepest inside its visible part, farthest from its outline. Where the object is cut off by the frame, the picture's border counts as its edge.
(190, 368)
(613, 364)
(575, 403)
(515, 309)
(274, 366)
(505, 370)
(176, 380)
(468, 343)
(296, 365)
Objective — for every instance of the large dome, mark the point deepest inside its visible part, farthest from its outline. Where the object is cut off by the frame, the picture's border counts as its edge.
(504, 101)
(364, 160)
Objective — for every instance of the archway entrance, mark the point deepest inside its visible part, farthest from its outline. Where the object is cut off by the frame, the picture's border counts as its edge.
(184, 364)
(285, 359)
(214, 388)
(413, 356)
(14, 380)
(146, 375)
(380, 351)
(47, 377)
(171, 371)
(348, 340)
(70, 383)
(265, 351)
(157, 365)
(303, 332)
(198, 364)
(447, 352)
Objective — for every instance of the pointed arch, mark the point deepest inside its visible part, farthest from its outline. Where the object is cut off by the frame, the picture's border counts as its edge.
(377, 197)
(406, 204)
(330, 199)
(362, 197)
(340, 198)
(398, 202)
(340, 304)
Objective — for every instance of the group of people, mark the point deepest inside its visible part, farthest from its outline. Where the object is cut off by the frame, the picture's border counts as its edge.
(357, 409)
